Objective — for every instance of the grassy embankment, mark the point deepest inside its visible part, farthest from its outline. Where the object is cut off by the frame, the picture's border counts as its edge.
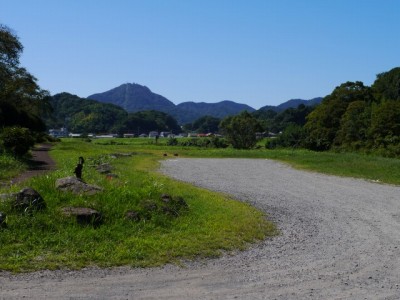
(213, 223)
(48, 240)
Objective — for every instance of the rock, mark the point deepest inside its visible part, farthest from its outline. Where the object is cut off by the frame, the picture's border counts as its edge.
(28, 200)
(149, 205)
(117, 155)
(3, 223)
(84, 215)
(132, 215)
(111, 176)
(173, 205)
(104, 168)
(169, 211)
(76, 186)
(166, 198)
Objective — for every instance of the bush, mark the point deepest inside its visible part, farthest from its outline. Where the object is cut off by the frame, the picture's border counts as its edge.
(17, 140)
(172, 142)
(213, 142)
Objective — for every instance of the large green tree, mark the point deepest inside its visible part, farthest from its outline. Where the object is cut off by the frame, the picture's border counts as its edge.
(354, 126)
(324, 122)
(385, 124)
(22, 101)
(387, 85)
(240, 130)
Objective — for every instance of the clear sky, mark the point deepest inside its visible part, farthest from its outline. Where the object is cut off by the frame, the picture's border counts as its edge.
(258, 52)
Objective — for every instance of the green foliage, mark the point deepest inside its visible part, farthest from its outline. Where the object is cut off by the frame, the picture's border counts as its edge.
(22, 101)
(146, 121)
(17, 140)
(84, 115)
(172, 141)
(292, 136)
(387, 85)
(324, 122)
(241, 130)
(385, 128)
(10, 166)
(206, 124)
(211, 142)
(354, 126)
(291, 116)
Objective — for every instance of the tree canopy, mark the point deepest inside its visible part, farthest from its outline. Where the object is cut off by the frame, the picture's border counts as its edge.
(146, 121)
(240, 130)
(358, 117)
(22, 101)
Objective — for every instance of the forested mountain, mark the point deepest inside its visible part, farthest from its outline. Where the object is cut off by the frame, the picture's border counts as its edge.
(84, 115)
(293, 103)
(187, 112)
(134, 97)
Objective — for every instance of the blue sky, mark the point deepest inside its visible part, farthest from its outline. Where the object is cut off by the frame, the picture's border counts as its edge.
(258, 52)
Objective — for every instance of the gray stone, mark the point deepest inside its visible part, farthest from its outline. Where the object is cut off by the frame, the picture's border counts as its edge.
(28, 200)
(133, 215)
(111, 176)
(84, 215)
(104, 168)
(76, 186)
(117, 155)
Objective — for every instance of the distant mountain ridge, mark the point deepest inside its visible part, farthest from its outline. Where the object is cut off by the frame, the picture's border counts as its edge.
(134, 97)
(293, 103)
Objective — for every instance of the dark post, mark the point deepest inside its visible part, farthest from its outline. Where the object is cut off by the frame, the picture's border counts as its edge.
(79, 167)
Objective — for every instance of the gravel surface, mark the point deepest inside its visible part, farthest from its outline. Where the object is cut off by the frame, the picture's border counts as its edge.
(339, 240)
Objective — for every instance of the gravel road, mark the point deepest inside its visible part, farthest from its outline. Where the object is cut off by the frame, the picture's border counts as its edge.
(339, 240)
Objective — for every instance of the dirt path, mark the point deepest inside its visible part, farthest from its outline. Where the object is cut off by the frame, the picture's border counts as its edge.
(340, 240)
(40, 163)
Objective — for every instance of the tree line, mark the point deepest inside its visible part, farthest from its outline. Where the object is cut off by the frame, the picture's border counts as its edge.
(354, 117)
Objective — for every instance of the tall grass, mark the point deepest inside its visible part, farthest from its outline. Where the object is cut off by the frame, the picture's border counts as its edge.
(10, 166)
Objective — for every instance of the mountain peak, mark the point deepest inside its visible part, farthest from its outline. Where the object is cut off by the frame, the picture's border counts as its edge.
(134, 97)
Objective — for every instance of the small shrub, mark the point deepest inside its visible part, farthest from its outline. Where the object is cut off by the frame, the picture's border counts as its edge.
(17, 140)
(172, 142)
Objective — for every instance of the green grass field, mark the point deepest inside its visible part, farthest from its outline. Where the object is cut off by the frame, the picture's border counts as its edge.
(49, 240)
(213, 223)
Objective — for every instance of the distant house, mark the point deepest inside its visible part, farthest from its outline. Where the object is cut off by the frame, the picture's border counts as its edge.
(105, 136)
(129, 135)
(153, 134)
(75, 135)
(165, 134)
(58, 133)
